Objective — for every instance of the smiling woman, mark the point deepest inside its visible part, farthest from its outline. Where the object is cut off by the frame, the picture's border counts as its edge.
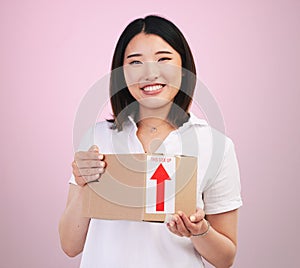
(152, 83)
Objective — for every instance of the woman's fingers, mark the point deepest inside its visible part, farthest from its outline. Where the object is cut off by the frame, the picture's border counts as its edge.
(173, 227)
(182, 229)
(88, 166)
(186, 226)
(88, 171)
(88, 156)
(192, 227)
(177, 226)
(82, 180)
(198, 216)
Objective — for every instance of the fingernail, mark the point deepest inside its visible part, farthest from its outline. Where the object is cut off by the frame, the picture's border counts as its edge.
(192, 218)
(171, 223)
(180, 213)
(100, 156)
(102, 164)
(95, 149)
(168, 218)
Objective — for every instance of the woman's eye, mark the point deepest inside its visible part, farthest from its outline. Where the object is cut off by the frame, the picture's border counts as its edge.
(164, 59)
(135, 62)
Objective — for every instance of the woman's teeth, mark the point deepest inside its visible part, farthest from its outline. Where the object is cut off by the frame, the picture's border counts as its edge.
(152, 88)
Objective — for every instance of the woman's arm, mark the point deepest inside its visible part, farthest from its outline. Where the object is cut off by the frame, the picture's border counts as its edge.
(87, 166)
(72, 226)
(218, 245)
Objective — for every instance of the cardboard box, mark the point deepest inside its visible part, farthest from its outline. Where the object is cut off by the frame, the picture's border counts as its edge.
(142, 187)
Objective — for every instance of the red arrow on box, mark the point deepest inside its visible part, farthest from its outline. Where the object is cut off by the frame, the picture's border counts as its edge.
(160, 175)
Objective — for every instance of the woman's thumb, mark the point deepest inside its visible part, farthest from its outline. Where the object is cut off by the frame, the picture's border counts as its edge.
(94, 148)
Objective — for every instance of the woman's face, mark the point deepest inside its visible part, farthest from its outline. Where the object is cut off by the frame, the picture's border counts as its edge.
(152, 70)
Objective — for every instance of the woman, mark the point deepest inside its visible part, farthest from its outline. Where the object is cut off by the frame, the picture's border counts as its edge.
(152, 84)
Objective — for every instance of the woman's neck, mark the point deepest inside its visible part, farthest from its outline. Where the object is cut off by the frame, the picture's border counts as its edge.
(154, 116)
(153, 128)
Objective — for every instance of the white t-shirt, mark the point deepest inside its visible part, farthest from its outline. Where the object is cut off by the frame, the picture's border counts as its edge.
(116, 243)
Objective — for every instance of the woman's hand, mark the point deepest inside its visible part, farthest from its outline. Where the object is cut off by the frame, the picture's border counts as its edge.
(182, 225)
(88, 166)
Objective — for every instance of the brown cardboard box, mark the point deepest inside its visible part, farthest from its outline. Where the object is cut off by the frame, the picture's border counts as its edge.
(142, 187)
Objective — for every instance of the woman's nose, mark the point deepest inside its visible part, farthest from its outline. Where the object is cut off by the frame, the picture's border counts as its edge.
(151, 71)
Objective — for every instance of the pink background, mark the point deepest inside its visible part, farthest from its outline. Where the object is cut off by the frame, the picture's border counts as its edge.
(51, 52)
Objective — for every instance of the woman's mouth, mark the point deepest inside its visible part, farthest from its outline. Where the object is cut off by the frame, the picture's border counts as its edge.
(153, 89)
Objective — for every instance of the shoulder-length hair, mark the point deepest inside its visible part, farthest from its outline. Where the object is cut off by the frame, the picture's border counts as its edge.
(122, 102)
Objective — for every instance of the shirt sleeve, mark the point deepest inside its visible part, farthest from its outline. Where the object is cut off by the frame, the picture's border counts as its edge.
(224, 194)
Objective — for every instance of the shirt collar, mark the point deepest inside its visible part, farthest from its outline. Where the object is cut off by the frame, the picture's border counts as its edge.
(193, 120)
(132, 122)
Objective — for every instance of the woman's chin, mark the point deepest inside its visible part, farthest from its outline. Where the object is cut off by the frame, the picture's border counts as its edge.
(155, 103)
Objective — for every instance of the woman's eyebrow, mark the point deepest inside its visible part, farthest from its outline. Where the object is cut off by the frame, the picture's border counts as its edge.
(163, 52)
(156, 53)
(134, 55)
